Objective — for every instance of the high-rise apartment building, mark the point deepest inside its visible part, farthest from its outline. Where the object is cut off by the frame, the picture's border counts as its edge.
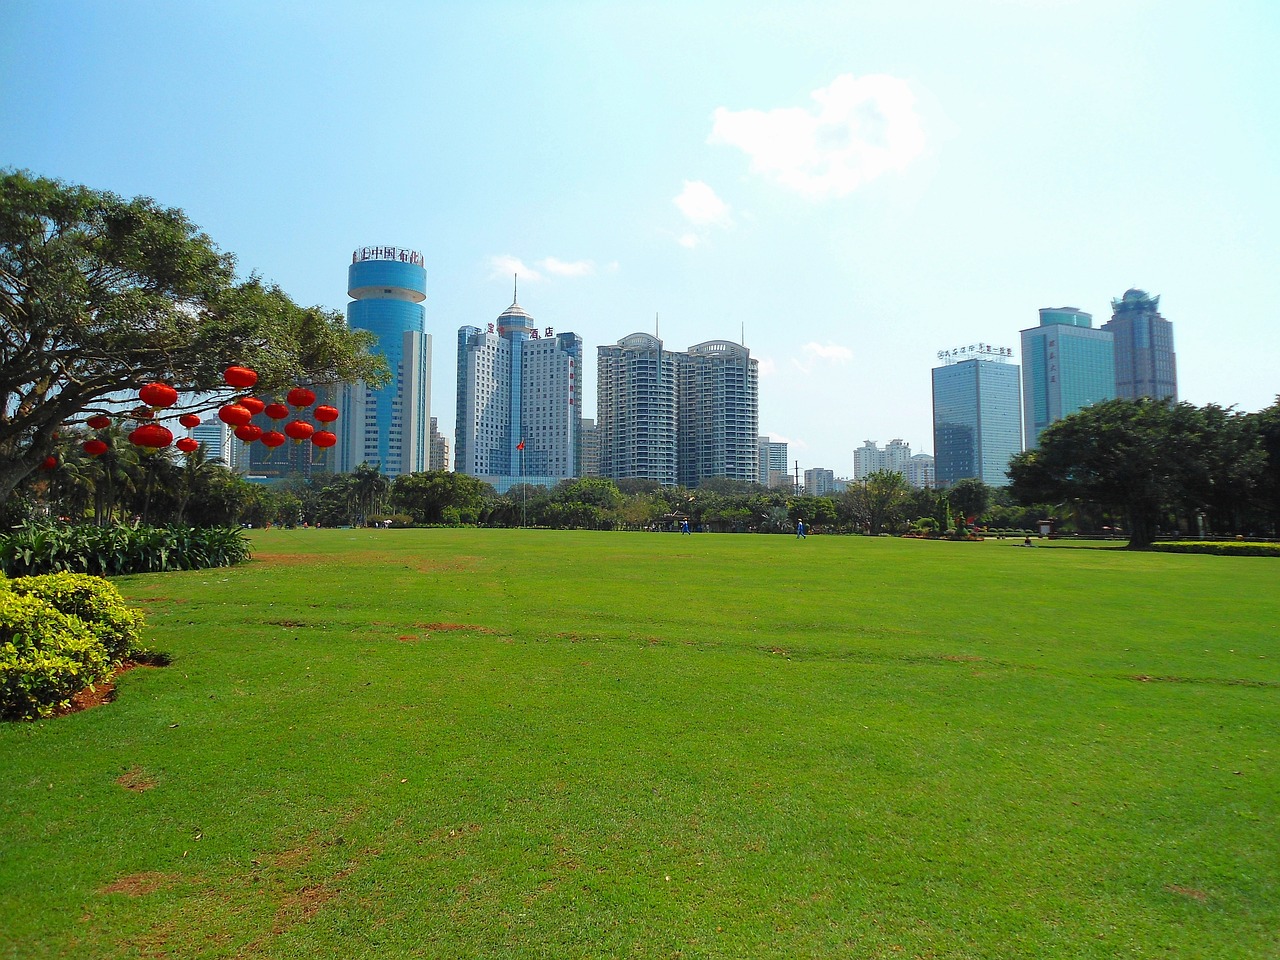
(590, 448)
(717, 413)
(677, 417)
(977, 426)
(438, 459)
(1145, 363)
(387, 427)
(869, 458)
(518, 414)
(773, 462)
(636, 409)
(920, 471)
(819, 481)
(1066, 365)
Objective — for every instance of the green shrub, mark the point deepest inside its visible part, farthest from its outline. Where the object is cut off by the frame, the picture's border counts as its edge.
(45, 657)
(38, 548)
(94, 601)
(1226, 548)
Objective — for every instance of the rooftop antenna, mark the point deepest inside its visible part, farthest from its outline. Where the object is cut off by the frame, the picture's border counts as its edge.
(655, 324)
(743, 333)
(515, 287)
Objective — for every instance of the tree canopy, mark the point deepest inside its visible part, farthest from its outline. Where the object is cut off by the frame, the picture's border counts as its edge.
(99, 295)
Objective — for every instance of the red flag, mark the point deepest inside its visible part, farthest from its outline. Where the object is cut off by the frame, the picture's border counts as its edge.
(520, 445)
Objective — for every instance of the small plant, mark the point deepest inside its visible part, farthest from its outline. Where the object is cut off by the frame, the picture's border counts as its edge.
(1227, 548)
(45, 657)
(38, 548)
(95, 602)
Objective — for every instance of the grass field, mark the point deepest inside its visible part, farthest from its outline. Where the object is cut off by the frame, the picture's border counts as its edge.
(534, 744)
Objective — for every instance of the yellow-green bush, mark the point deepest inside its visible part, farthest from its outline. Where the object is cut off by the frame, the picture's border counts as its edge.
(45, 656)
(95, 601)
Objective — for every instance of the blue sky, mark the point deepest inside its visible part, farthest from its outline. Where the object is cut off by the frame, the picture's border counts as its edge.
(853, 186)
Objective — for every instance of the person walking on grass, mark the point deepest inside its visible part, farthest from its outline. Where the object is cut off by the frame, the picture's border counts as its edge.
(800, 534)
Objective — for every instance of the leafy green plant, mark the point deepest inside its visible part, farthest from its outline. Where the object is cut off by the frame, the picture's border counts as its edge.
(45, 656)
(95, 602)
(38, 548)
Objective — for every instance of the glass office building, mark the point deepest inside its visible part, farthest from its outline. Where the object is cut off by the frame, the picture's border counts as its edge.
(389, 427)
(977, 425)
(1066, 365)
(1145, 362)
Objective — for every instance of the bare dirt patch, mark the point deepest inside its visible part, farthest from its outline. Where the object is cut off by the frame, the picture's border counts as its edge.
(447, 627)
(103, 691)
(140, 884)
(1191, 892)
(137, 780)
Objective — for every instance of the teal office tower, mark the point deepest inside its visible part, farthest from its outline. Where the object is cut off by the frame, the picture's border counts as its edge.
(1066, 365)
(389, 427)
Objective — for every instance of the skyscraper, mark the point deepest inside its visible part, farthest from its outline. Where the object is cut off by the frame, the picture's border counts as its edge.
(773, 462)
(869, 458)
(636, 400)
(1066, 365)
(518, 415)
(718, 413)
(1145, 362)
(977, 426)
(388, 426)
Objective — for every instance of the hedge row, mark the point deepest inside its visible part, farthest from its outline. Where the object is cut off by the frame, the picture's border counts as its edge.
(111, 551)
(59, 633)
(1226, 548)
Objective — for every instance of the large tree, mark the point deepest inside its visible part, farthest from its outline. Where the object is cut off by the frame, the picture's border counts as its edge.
(99, 295)
(1132, 457)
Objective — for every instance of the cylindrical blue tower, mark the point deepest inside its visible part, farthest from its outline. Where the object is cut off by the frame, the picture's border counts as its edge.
(389, 427)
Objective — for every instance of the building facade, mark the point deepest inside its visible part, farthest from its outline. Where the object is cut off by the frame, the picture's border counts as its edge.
(717, 414)
(869, 458)
(388, 427)
(773, 463)
(920, 472)
(438, 458)
(819, 481)
(590, 448)
(518, 411)
(636, 409)
(1145, 363)
(1066, 365)
(977, 425)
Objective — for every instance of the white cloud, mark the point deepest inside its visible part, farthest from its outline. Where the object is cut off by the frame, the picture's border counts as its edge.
(504, 265)
(700, 205)
(689, 240)
(768, 367)
(828, 351)
(859, 129)
(568, 268)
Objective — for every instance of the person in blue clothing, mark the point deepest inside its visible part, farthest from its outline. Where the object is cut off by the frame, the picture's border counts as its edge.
(800, 533)
(684, 527)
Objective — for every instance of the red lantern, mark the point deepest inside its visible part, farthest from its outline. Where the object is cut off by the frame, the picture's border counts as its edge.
(326, 414)
(272, 439)
(189, 420)
(324, 439)
(240, 377)
(252, 404)
(158, 395)
(49, 463)
(151, 436)
(299, 430)
(95, 448)
(301, 397)
(276, 411)
(188, 445)
(234, 414)
(249, 432)
(100, 422)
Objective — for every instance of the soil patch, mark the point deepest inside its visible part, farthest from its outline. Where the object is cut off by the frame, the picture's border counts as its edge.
(443, 627)
(140, 884)
(136, 780)
(105, 690)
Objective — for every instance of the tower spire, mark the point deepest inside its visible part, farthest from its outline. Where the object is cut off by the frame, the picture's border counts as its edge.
(515, 288)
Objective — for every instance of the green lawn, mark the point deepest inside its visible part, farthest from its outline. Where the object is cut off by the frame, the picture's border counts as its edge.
(540, 744)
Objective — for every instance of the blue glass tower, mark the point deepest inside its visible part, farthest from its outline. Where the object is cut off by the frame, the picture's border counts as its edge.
(1066, 365)
(389, 427)
(977, 424)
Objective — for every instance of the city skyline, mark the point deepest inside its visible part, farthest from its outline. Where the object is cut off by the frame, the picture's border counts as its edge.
(846, 189)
